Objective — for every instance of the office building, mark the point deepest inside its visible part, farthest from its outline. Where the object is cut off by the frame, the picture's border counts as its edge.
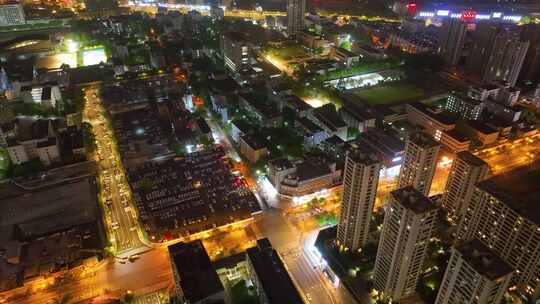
(195, 279)
(296, 11)
(360, 178)
(410, 222)
(503, 214)
(464, 106)
(451, 40)
(252, 148)
(497, 53)
(474, 275)
(269, 275)
(11, 14)
(419, 162)
(430, 119)
(235, 51)
(467, 170)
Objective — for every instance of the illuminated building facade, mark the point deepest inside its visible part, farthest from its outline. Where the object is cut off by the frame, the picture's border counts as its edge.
(464, 106)
(497, 53)
(419, 162)
(503, 215)
(11, 14)
(235, 51)
(410, 222)
(296, 12)
(474, 275)
(467, 170)
(451, 40)
(360, 179)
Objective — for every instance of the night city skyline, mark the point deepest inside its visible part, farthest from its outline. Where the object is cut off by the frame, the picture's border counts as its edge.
(269, 152)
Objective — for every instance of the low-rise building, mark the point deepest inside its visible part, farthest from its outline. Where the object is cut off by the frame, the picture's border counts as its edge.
(464, 106)
(328, 119)
(252, 148)
(503, 111)
(312, 133)
(195, 279)
(48, 151)
(455, 141)
(434, 122)
(264, 112)
(239, 128)
(357, 118)
(334, 146)
(269, 275)
(346, 57)
(309, 177)
(411, 43)
(313, 41)
(484, 134)
(297, 105)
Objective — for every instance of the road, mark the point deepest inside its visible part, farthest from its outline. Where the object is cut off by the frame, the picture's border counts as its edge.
(124, 230)
(512, 154)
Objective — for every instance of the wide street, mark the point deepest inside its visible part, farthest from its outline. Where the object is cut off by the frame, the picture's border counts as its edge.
(512, 154)
(115, 195)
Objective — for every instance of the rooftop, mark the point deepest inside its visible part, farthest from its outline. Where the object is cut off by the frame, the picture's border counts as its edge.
(470, 159)
(455, 134)
(440, 117)
(281, 163)
(309, 170)
(276, 282)
(413, 200)
(382, 142)
(327, 114)
(309, 125)
(298, 104)
(198, 278)
(51, 209)
(423, 140)
(363, 154)
(253, 142)
(242, 125)
(483, 260)
(481, 127)
(519, 190)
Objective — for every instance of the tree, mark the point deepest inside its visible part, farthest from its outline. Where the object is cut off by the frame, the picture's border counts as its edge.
(65, 299)
(88, 137)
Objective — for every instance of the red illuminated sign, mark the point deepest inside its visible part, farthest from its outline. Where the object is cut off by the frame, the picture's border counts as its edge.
(468, 16)
(411, 8)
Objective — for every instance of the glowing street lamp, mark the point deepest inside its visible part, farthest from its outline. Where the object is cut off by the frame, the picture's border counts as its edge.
(72, 46)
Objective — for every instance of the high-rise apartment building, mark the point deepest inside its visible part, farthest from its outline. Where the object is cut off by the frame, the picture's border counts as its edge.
(235, 51)
(360, 179)
(531, 65)
(11, 14)
(497, 53)
(410, 222)
(503, 214)
(474, 275)
(419, 162)
(467, 170)
(451, 40)
(296, 12)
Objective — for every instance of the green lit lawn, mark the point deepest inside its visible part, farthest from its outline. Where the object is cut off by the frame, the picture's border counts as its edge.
(389, 94)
